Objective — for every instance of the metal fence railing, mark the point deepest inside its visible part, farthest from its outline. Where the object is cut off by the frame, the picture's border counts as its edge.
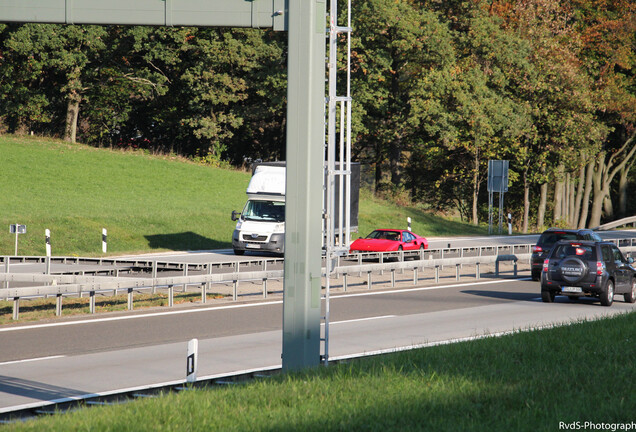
(149, 275)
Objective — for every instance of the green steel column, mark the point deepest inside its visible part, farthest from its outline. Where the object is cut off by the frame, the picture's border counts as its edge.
(305, 154)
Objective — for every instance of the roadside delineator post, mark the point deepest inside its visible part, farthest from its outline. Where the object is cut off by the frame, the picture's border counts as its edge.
(47, 240)
(192, 361)
(104, 242)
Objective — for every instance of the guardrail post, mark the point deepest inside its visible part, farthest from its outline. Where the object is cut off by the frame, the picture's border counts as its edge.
(360, 263)
(457, 266)
(170, 295)
(369, 280)
(206, 285)
(345, 282)
(185, 273)
(154, 276)
(392, 278)
(235, 291)
(16, 308)
(7, 261)
(515, 268)
(496, 268)
(130, 299)
(92, 302)
(58, 305)
(414, 275)
(382, 262)
(265, 279)
(436, 274)
(477, 273)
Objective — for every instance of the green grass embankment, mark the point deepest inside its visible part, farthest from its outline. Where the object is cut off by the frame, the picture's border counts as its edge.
(530, 381)
(147, 203)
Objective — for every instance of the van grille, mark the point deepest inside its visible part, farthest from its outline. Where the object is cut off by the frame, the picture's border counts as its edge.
(254, 238)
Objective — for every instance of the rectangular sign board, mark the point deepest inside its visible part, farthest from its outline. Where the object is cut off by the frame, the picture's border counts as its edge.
(17, 229)
(498, 176)
(217, 13)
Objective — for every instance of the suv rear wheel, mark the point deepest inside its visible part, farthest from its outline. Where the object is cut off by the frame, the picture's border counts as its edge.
(548, 296)
(607, 296)
(630, 297)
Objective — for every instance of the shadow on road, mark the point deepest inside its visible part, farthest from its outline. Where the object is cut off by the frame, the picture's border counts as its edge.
(505, 295)
(34, 389)
(184, 241)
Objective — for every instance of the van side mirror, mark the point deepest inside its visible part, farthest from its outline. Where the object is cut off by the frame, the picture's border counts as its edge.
(235, 215)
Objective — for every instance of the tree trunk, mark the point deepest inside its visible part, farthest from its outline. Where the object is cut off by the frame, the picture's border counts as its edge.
(598, 194)
(72, 114)
(608, 208)
(579, 194)
(566, 199)
(395, 155)
(543, 202)
(585, 205)
(526, 202)
(476, 191)
(558, 195)
(622, 190)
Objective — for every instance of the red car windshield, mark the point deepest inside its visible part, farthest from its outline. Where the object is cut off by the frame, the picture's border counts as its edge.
(385, 235)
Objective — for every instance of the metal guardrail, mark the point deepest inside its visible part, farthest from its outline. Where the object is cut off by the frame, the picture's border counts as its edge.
(616, 224)
(74, 284)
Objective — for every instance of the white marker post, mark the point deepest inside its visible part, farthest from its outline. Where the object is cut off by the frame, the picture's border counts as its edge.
(47, 240)
(509, 224)
(192, 361)
(104, 242)
(408, 219)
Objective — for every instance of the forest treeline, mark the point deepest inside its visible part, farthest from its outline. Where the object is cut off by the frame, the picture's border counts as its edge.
(439, 88)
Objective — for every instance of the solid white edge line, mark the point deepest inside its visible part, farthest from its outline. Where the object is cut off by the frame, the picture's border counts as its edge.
(361, 319)
(430, 288)
(32, 360)
(140, 316)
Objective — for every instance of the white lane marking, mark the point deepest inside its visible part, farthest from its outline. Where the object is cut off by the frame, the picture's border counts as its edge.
(128, 317)
(214, 308)
(362, 319)
(394, 291)
(31, 360)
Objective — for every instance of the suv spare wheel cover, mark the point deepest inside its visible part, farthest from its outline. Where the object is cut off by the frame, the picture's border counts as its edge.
(573, 269)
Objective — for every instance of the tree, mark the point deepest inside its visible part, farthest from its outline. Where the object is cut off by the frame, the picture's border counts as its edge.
(65, 52)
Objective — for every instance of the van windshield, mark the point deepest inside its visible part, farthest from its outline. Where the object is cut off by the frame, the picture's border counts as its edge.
(265, 211)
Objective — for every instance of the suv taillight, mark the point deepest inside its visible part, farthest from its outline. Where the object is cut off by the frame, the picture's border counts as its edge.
(537, 249)
(600, 268)
(545, 265)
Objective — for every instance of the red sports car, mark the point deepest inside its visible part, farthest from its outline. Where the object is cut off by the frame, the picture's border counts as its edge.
(388, 240)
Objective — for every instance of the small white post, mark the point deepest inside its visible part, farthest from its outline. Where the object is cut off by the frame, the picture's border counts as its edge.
(192, 362)
(47, 239)
(509, 224)
(408, 219)
(104, 243)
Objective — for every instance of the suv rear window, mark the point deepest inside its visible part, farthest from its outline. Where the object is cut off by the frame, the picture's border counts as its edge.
(550, 238)
(583, 252)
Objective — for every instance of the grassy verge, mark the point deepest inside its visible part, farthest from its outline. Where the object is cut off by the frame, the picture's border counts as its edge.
(147, 203)
(531, 381)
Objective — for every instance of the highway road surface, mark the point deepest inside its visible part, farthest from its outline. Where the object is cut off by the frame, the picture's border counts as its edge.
(73, 358)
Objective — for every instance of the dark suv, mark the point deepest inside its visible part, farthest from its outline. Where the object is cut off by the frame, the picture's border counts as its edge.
(549, 238)
(586, 268)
